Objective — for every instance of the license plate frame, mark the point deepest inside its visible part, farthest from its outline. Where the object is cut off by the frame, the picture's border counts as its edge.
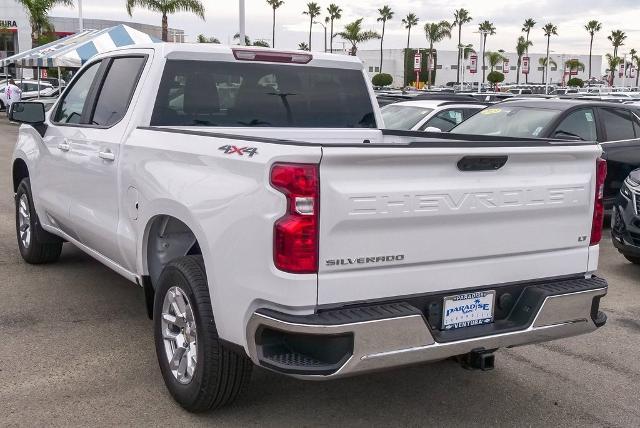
(470, 309)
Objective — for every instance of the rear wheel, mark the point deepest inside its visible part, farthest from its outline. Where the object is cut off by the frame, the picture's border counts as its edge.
(632, 259)
(200, 373)
(37, 246)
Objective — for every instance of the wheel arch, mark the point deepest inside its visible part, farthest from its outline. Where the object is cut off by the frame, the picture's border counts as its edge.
(20, 171)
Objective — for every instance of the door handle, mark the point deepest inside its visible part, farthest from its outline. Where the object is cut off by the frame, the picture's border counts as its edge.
(65, 147)
(107, 155)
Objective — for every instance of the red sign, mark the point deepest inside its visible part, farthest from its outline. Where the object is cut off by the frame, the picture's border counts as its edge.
(43, 73)
(632, 72)
(473, 64)
(505, 66)
(525, 65)
(621, 72)
(417, 62)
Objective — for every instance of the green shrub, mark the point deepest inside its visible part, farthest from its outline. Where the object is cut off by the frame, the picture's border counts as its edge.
(495, 77)
(382, 79)
(575, 82)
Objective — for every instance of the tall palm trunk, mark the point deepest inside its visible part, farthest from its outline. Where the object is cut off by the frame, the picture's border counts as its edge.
(384, 23)
(165, 28)
(546, 68)
(518, 74)
(590, 53)
(459, 49)
(526, 76)
(273, 30)
(310, 30)
(331, 37)
(484, 49)
(429, 65)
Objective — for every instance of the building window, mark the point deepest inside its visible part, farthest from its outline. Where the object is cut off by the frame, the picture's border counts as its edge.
(438, 67)
(370, 69)
(513, 67)
(540, 68)
(454, 67)
(377, 69)
(554, 68)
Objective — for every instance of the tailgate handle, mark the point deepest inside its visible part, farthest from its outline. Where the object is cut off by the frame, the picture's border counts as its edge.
(482, 163)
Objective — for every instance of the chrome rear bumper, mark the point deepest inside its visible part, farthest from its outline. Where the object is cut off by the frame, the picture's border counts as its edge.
(404, 337)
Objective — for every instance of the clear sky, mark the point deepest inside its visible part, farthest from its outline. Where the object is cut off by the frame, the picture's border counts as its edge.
(292, 27)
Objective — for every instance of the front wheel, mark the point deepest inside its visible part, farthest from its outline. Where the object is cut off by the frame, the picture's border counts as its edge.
(37, 246)
(200, 373)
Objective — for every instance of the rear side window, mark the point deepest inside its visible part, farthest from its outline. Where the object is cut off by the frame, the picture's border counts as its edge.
(117, 90)
(446, 120)
(208, 93)
(72, 105)
(617, 124)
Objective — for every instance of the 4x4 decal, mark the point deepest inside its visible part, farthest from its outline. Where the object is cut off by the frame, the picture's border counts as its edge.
(241, 151)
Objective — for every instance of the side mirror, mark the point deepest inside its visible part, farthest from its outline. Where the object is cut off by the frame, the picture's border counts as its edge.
(432, 129)
(31, 113)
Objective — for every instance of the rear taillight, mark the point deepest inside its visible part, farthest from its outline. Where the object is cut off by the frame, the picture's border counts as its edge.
(598, 209)
(295, 240)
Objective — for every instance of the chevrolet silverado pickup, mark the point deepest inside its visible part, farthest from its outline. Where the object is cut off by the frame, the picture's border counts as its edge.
(272, 221)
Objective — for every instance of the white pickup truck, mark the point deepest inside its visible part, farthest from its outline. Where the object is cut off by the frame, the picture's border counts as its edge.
(272, 221)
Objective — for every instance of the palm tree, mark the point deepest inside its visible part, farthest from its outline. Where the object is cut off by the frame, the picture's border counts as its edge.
(385, 14)
(521, 48)
(167, 7)
(38, 11)
(543, 63)
(303, 46)
(436, 32)
(494, 58)
(573, 64)
(592, 28)
(613, 62)
(549, 30)
(617, 39)
(353, 34)
(528, 25)
(247, 40)
(313, 10)
(335, 13)
(275, 5)
(410, 21)
(635, 61)
(486, 29)
(461, 17)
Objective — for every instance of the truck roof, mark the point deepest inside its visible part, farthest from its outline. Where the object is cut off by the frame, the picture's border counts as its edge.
(213, 51)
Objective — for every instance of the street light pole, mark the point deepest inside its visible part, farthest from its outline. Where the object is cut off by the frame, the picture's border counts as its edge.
(325, 33)
(242, 24)
(80, 18)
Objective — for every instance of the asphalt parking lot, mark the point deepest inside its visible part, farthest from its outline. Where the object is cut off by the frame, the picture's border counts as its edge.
(76, 350)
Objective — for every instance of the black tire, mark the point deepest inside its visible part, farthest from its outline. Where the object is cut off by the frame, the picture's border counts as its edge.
(43, 247)
(632, 259)
(221, 376)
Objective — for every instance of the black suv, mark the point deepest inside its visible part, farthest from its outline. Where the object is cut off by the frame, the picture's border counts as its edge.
(625, 219)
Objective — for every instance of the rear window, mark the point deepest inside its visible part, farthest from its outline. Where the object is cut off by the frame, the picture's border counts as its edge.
(403, 117)
(209, 93)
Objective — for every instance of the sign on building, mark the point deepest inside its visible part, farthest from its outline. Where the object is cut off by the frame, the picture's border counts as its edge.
(473, 65)
(525, 64)
(505, 66)
(417, 62)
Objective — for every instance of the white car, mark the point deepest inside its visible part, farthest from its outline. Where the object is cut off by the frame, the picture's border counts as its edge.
(29, 90)
(270, 221)
(441, 115)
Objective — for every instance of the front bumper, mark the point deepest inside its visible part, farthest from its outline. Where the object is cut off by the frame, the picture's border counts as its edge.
(625, 227)
(360, 339)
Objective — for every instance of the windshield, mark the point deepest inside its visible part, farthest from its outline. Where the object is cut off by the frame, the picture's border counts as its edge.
(508, 121)
(210, 93)
(403, 117)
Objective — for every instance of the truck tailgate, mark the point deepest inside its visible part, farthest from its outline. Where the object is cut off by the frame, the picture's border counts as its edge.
(397, 221)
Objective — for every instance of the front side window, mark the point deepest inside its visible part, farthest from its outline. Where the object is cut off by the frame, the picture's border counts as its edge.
(72, 105)
(245, 94)
(446, 120)
(117, 90)
(578, 124)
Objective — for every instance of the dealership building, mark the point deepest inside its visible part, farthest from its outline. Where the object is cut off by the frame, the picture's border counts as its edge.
(15, 30)
(446, 66)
